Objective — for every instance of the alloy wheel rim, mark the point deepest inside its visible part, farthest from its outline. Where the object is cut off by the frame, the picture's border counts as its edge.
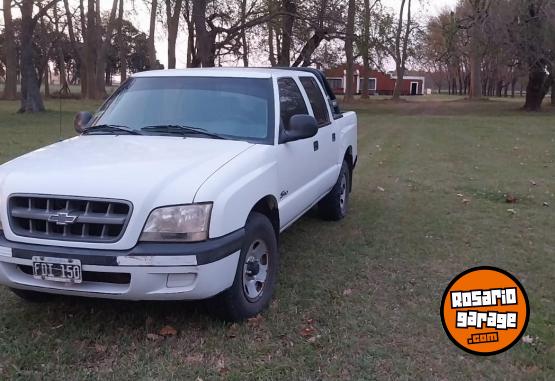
(255, 270)
(343, 194)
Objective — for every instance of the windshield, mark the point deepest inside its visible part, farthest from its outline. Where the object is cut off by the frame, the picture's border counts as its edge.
(205, 107)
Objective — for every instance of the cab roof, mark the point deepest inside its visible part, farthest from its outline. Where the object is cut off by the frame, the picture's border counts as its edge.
(239, 72)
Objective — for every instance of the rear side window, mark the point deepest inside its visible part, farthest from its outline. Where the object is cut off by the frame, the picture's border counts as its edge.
(317, 100)
(291, 100)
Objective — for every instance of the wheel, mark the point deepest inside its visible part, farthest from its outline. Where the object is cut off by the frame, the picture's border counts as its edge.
(33, 296)
(255, 277)
(334, 206)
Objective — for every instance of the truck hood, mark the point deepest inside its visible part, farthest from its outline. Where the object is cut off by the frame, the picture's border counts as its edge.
(134, 168)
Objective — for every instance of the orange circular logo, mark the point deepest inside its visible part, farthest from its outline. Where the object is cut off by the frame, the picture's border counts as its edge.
(485, 310)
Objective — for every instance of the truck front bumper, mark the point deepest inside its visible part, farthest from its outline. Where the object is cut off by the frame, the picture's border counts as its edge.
(149, 271)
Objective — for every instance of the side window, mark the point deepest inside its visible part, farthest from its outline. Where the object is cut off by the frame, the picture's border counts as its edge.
(317, 100)
(291, 100)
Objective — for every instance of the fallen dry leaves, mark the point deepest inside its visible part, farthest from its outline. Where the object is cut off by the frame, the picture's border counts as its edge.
(168, 331)
(255, 322)
(511, 199)
(309, 332)
(347, 292)
(153, 337)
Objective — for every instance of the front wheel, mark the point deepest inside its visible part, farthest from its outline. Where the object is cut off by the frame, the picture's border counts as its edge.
(256, 274)
(334, 206)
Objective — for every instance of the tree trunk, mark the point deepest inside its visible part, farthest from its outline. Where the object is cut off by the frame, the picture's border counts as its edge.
(534, 90)
(365, 48)
(308, 49)
(79, 52)
(475, 66)
(349, 40)
(244, 41)
(401, 52)
(151, 36)
(397, 91)
(64, 88)
(287, 21)
(271, 52)
(121, 43)
(31, 98)
(91, 45)
(10, 53)
(173, 28)
(553, 91)
(46, 80)
(192, 60)
(202, 37)
(102, 56)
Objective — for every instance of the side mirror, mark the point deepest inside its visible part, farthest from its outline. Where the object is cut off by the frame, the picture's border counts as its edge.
(300, 127)
(81, 121)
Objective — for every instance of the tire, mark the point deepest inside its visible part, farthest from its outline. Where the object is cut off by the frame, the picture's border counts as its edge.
(335, 205)
(248, 296)
(33, 296)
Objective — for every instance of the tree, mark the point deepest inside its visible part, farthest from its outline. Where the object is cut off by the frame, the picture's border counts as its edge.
(534, 27)
(287, 22)
(173, 14)
(479, 9)
(80, 53)
(364, 45)
(151, 35)
(61, 59)
(400, 54)
(10, 86)
(91, 48)
(31, 98)
(122, 45)
(349, 41)
(102, 48)
(322, 20)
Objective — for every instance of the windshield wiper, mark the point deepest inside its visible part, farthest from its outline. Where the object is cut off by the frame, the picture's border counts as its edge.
(181, 130)
(111, 128)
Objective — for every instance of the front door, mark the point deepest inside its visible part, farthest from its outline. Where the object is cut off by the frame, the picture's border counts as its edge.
(414, 88)
(299, 164)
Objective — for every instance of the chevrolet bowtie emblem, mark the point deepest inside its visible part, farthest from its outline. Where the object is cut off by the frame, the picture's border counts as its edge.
(62, 218)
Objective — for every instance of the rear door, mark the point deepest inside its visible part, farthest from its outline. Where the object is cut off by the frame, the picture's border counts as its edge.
(299, 166)
(327, 146)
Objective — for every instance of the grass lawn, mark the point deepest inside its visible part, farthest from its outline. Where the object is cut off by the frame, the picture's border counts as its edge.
(358, 299)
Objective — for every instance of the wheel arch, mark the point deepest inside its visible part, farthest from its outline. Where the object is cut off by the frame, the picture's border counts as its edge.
(348, 157)
(268, 206)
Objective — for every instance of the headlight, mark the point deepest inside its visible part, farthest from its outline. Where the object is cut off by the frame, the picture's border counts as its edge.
(183, 223)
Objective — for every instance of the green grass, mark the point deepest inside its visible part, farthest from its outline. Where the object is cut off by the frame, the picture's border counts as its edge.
(396, 252)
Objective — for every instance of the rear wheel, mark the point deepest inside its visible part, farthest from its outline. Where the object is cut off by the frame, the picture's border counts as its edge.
(335, 205)
(256, 274)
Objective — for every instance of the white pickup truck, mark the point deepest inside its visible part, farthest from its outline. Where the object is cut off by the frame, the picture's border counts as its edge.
(178, 188)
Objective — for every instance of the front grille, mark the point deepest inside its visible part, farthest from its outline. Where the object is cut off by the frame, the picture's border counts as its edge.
(68, 218)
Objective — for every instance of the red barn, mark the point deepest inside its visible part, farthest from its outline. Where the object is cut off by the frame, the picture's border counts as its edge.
(379, 83)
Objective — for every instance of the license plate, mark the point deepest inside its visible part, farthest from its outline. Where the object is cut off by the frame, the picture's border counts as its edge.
(57, 269)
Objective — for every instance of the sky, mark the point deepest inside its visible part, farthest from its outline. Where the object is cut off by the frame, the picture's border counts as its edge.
(140, 17)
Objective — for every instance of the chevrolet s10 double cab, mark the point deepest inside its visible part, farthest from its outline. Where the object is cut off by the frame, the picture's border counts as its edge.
(177, 188)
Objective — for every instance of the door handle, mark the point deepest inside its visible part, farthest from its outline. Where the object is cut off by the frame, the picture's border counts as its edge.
(333, 137)
(316, 145)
